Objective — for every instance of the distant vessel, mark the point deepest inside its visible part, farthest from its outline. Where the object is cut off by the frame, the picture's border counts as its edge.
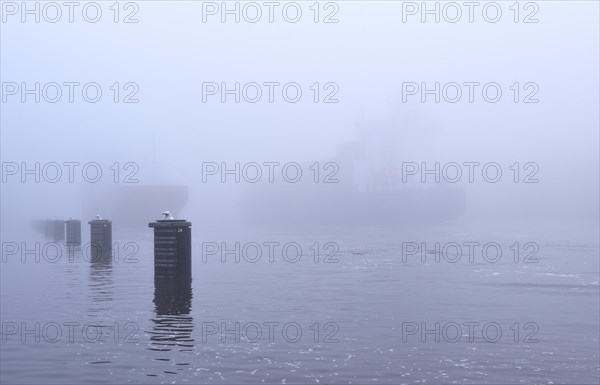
(369, 190)
(274, 205)
(158, 187)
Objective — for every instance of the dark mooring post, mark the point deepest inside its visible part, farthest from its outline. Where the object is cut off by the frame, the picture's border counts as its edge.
(58, 229)
(172, 248)
(101, 239)
(73, 231)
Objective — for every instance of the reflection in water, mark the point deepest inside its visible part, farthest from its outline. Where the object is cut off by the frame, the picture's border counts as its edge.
(101, 282)
(173, 325)
(101, 296)
(100, 253)
(74, 259)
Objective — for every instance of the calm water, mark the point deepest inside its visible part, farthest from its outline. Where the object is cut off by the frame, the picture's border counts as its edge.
(350, 313)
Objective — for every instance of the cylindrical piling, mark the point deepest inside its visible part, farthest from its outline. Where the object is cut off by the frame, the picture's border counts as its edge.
(101, 239)
(172, 296)
(58, 230)
(73, 231)
(172, 248)
(47, 228)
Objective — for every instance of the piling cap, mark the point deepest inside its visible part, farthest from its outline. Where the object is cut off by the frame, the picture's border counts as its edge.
(99, 220)
(169, 221)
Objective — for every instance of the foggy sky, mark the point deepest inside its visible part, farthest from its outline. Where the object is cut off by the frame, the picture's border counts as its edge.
(369, 54)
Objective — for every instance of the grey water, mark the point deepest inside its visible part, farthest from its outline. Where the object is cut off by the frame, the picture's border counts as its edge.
(368, 315)
(388, 121)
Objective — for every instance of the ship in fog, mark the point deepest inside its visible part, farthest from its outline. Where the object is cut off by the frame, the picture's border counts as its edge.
(134, 201)
(365, 187)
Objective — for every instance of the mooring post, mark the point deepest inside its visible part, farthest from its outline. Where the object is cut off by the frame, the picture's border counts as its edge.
(73, 231)
(172, 247)
(101, 239)
(58, 229)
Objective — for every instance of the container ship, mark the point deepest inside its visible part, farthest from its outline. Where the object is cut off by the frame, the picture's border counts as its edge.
(369, 190)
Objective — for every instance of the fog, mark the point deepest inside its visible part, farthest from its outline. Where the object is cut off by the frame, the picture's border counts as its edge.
(412, 186)
(170, 136)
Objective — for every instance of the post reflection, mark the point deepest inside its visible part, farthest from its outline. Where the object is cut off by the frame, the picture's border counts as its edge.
(101, 285)
(173, 325)
(101, 280)
(101, 293)
(74, 262)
